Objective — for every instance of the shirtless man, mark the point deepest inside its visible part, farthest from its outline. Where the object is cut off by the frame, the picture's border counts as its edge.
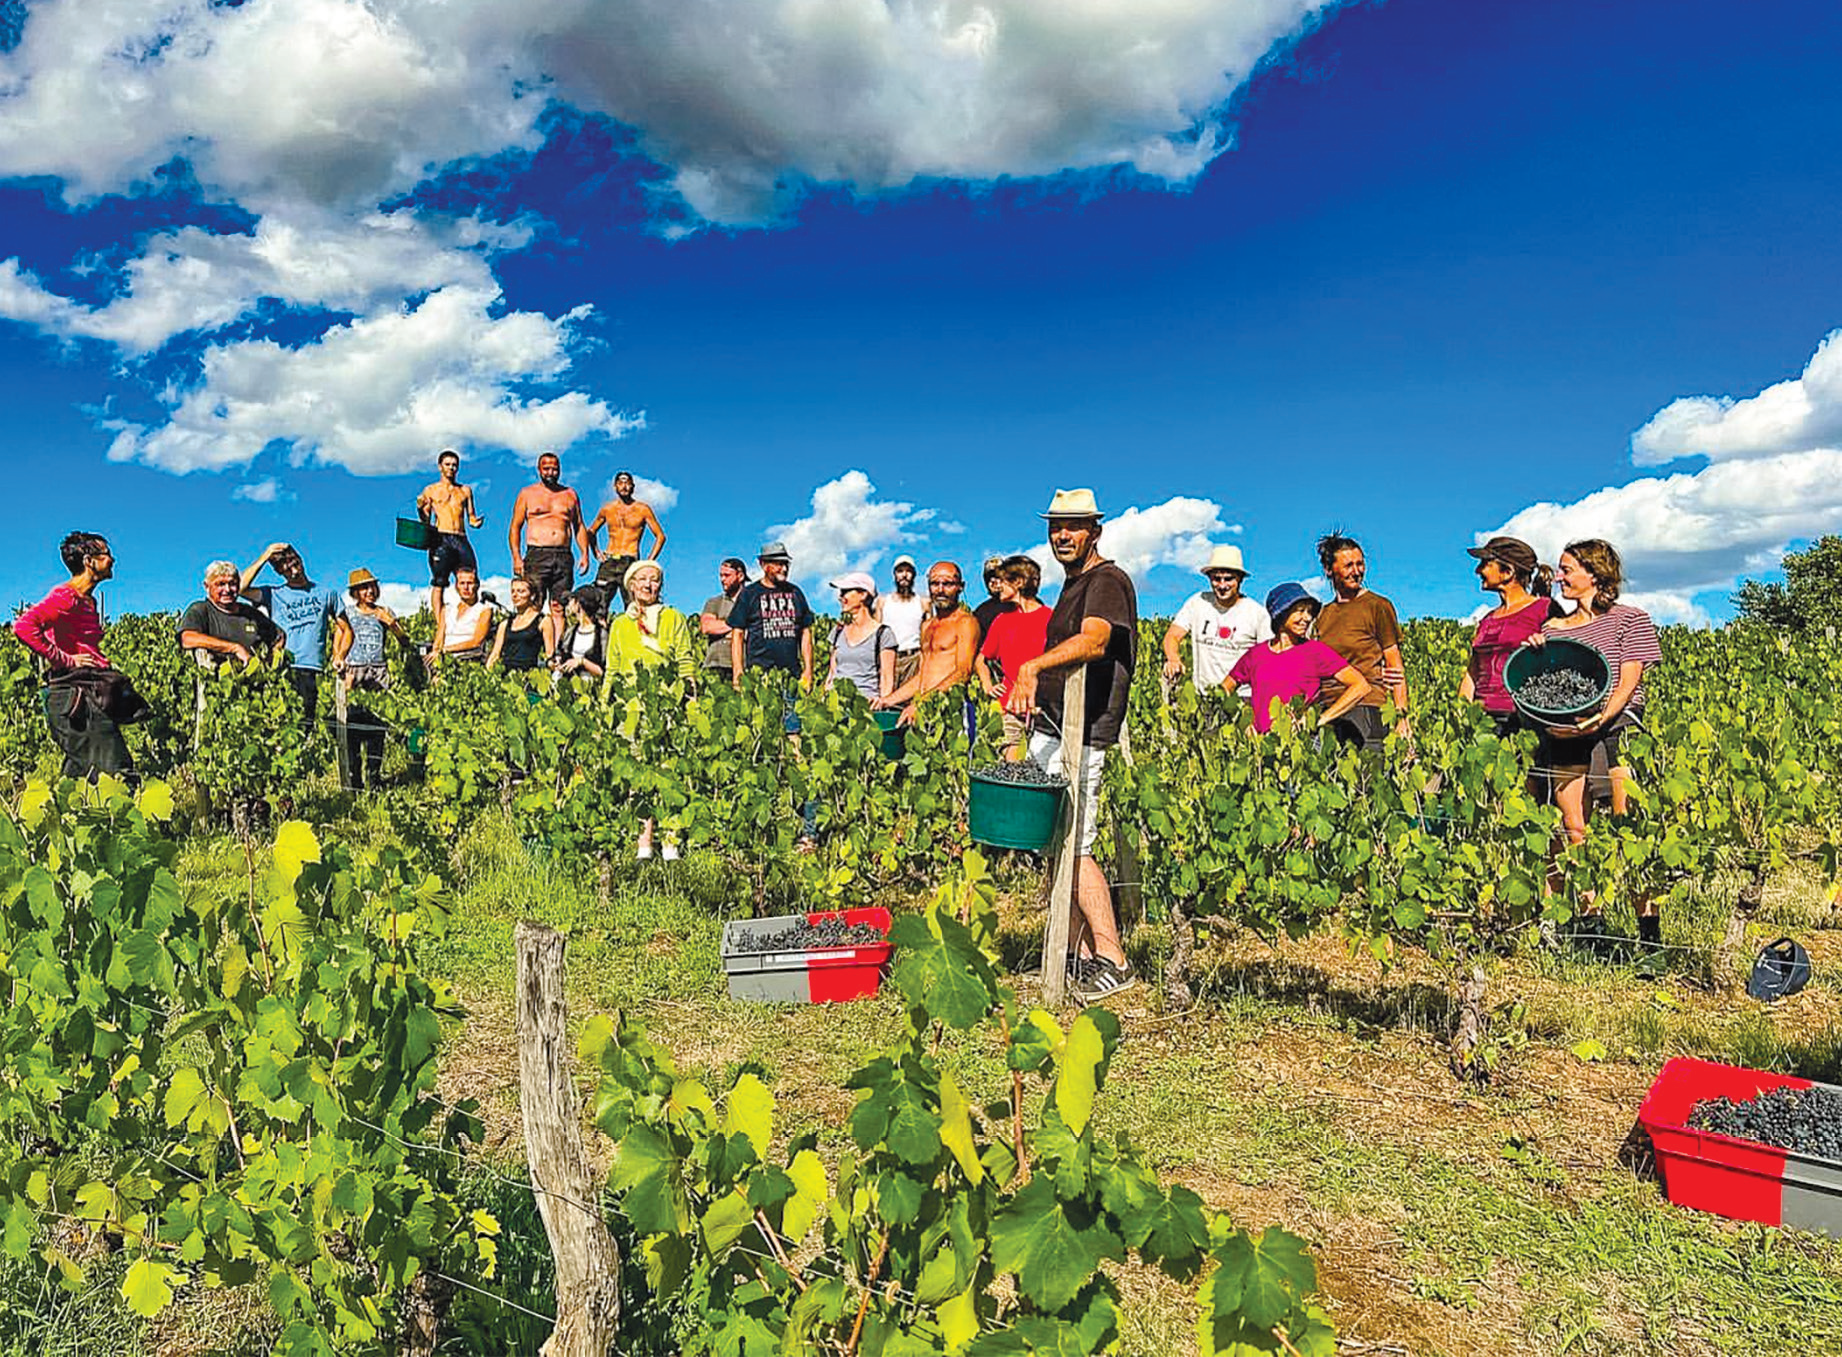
(549, 515)
(628, 521)
(949, 642)
(447, 507)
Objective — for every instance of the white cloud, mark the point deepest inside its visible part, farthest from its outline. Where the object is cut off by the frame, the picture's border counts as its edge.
(378, 395)
(341, 102)
(198, 280)
(745, 99)
(848, 529)
(268, 490)
(1803, 413)
(1774, 477)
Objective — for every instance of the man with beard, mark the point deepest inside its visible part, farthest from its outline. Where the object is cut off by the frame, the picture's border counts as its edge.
(628, 521)
(713, 620)
(901, 610)
(1095, 623)
(949, 642)
(770, 625)
(549, 515)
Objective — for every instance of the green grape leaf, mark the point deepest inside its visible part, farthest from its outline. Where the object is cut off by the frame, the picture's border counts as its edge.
(942, 969)
(1051, 1251)
(956, 1129)
(652, 1179)
(751, 1113)
(148, 1287)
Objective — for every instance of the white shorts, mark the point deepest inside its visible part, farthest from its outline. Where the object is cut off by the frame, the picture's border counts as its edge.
(1046, 754)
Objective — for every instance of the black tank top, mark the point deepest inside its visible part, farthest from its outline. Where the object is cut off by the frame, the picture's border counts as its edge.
(524, 646)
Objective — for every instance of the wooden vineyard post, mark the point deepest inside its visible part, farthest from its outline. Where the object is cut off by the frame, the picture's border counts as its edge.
(1131, 910)
(340, 752)
(1068, 838)
(587, 1263)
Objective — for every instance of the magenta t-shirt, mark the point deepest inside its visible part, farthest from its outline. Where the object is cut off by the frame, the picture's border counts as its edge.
(1496, 640)
(1282, 676)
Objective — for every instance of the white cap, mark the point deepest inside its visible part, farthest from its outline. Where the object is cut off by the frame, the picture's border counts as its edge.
(904, 559)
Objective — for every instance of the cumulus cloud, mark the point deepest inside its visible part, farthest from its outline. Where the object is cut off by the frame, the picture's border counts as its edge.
(745, 99)
(849, 528)
(1181, 531)
(342, 102)
(1793, 416)
(1774, 477)
(378, 395)
(198, 280)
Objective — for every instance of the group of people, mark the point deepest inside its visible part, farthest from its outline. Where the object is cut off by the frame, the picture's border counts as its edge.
(897, 648)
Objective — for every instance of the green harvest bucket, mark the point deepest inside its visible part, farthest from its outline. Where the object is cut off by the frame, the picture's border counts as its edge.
(414, 534)
(1004, 815)
(1558, 653)
(418, 742)
(895, 742)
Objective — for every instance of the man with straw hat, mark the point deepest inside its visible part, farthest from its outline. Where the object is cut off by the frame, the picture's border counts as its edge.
(1222, 624)
(1095, 623)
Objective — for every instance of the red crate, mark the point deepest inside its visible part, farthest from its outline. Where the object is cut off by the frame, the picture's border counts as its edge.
(1740, 1179)
(819, 975)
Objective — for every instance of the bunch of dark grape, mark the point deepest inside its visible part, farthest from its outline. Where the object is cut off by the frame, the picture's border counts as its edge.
(1558, 690)
(1807, 1120)
(1023, 773)
(802, 936)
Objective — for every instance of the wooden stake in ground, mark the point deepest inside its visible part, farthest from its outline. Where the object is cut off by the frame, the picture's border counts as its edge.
(587, 1263)
(1063, 883)
(340, 750)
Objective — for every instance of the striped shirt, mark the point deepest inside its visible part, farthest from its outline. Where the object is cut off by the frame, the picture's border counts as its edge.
(1624, 635)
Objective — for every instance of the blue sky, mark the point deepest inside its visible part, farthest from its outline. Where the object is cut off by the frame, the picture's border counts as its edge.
(939, 260)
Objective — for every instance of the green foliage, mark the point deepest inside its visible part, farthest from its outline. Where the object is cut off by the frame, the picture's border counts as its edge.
(1809, 599)
(961, 1223)
(250, 744)
(231, 1090)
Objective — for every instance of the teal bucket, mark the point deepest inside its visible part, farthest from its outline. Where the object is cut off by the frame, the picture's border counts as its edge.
(895, 740)
(415, 534)
(1558, 653)
(1004, 815)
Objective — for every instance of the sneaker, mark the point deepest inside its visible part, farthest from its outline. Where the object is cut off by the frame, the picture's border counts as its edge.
(1105, 978)
(643, 853)
(1078, 968)
(669, 852)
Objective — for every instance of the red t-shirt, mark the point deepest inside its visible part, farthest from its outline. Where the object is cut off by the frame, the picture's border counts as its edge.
(61, 627)
(1015, 637)
(1284, 675)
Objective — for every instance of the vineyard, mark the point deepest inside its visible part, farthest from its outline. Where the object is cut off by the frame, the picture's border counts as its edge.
(249, 1051)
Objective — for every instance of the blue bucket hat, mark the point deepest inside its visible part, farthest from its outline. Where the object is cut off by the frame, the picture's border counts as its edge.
(1282, 598)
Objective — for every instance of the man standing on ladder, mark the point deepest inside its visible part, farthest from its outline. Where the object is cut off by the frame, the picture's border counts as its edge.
(1094, 624)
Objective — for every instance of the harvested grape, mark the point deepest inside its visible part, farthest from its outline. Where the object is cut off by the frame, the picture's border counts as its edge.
(1558, 690)
(1805, 1120)
(1021, 774)
(801, 936)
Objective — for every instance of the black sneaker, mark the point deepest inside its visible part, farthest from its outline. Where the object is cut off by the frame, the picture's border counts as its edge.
(1104, 978)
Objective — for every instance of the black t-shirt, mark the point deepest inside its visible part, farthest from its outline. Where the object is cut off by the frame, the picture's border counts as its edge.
(1103, 591)
(771, 621)
(242, 624)
(988, 612)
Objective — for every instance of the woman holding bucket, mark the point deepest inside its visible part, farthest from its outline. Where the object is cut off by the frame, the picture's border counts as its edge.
(1583, 758)
(1506, 567)
(863, 649)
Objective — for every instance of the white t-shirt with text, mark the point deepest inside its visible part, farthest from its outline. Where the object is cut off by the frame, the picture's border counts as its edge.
(1220, 636)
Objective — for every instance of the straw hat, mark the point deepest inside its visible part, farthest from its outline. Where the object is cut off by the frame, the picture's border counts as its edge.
(1073, 504)
(358, 579)
(1225, 558)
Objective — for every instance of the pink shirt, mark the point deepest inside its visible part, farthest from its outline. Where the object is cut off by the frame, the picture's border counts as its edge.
(1496, 640)
(62, 626)
(1285, 675)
